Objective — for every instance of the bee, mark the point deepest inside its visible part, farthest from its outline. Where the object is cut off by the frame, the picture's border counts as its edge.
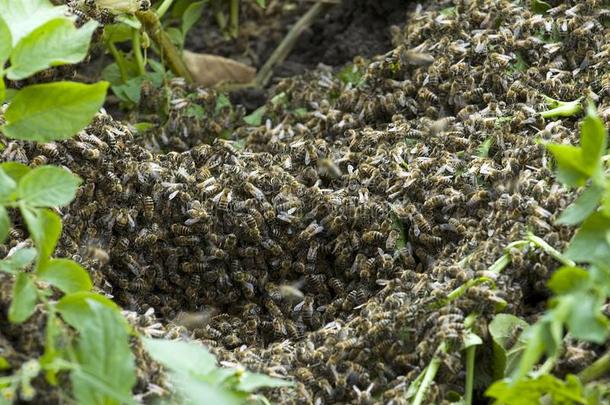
(605, 83)
(305, 309)
(148, 207)
(39, 161)
(373, 237)
(49, 149)
(422, 224)
(145, 238)
(304, 375)
(392, 239)
(187, 240)
(434, 201)
(426, 95)
(223, 199)
(98, 255)
(312, 230)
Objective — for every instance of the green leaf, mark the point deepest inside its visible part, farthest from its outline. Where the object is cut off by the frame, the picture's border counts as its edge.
(580, 209)
(571, 170)
(222, 102)
(58, 42)
(65, 274)
(18, 260)
(530, 391)
(471, 339)
(130, 90)
(15, 170)
(535, 337)
(103, 353)
(45, 227)
(4, 364)
(8, 186)
(262, 3)
(191, 15)
(586, 321)
(24, 299)
(2, 87)
(569, 279)
(605, 206)
(249, 382)
(590, 245)
(256, 117)
(75, 309)
(53, 111)
(539, 6)
(24, 16)
(196, 391)
(48, 186)
(180, 356)
(562, 108)
(503, 329)
(5, 224)
(593, 139)
(5, 43)
(114, 33)
(483, 149)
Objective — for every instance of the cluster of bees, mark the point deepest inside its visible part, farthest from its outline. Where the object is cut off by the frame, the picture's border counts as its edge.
(317, 250)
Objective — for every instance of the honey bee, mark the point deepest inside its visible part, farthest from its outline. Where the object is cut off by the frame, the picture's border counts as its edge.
(148, 207)
(310, 231)
(305, 309)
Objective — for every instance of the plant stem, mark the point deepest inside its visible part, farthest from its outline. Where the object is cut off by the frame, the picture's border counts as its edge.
(550, 250)
(120, 61)
(169, 52)
(163, 8)
(431, 371)
(595, 370)
(284, 48)
(137, 52)
(470, 356)
(234, 17)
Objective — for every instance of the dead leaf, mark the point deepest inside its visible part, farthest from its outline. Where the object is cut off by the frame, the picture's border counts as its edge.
(210, 70)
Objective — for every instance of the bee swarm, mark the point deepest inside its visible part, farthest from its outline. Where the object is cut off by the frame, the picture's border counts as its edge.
(297, 238)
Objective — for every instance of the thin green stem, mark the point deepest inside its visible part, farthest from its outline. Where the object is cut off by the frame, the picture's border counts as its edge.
(120, 61)
(431, 371)
(137, 52)
(550, 250)
(234, 17)
(470, 356)
(164, 7)
(595, 370)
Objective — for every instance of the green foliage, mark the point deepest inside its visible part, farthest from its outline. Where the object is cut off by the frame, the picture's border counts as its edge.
(578, 293)
(503, 329)
(36, 35)
(194, 372)
(539, 6)
(561, 108)
(53, 111)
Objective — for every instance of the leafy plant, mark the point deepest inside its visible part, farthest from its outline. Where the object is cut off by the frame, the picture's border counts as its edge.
(194, 372)
(579, 292)
(35, 35)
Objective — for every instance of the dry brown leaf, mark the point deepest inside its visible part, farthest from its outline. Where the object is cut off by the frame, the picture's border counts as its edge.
(210, 70)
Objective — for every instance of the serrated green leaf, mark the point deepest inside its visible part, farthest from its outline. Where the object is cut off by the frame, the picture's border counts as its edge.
(6, 43)
(5, 224)
(586, 321)
(8, 187)
(24, 16)
(593, 139)
(48, 186)
(103, 353)
(584, 206)
(53, 111)
(74, 307)
(24, 299)
(569, 279)
(57, 42)
(571, 170)
(590, 245)
(45, 227)
(530, 391)
(249, 382)
(65, 274)
(180, 356)
(190, 16)
(18, 260)
(256, 117)
(15, 170)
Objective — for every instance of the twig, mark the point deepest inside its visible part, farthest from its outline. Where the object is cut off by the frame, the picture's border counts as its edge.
(284, 48)
(170, 53)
